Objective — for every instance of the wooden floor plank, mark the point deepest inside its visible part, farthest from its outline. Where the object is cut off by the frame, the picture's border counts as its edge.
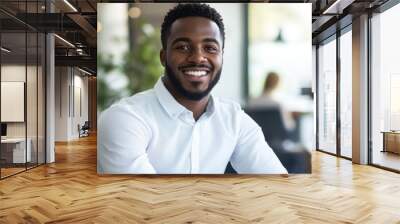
(70, 191)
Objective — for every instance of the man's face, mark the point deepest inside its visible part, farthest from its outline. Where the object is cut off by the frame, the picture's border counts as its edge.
(193, 56)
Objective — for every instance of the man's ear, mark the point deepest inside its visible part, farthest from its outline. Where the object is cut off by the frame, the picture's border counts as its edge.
(162, 57)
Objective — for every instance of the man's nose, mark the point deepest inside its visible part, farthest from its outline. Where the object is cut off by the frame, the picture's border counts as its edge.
(197, 56)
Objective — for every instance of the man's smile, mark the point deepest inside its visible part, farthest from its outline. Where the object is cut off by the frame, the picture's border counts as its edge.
(196, 73)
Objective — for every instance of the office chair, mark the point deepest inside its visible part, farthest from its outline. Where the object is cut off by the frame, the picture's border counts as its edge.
(84, 130)
(294, 157)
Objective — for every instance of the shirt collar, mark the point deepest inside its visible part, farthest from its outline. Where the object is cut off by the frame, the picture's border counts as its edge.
(171, 106)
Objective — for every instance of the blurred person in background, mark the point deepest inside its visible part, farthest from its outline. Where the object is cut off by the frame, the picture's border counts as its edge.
(279, 127)
(268, 100)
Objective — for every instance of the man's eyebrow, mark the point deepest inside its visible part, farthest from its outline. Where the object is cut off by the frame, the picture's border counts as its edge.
(185, 39)
(211, 40)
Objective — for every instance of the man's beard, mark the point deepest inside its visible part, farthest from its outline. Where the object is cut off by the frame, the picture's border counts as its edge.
(196, 96)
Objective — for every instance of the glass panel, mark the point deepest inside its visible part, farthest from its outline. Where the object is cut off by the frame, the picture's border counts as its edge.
(32, 85)
(76, 107)
(41, 99)
(327, 96)
(386, 89)
(31, 100)
(13, 87)
(23, 89)
(346, 94)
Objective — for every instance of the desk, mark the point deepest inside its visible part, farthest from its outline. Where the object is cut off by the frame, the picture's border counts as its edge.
(15, 148)
(391, 141)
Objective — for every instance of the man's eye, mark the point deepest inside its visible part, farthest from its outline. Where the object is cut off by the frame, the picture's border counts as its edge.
(211, 49)
(182, 47)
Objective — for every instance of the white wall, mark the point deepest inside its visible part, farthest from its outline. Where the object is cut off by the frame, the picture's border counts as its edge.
(61, 103)
(231, 83)
(68, 82)
(79, 117)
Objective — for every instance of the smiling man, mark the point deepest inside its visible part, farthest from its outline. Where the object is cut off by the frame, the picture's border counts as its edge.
(178, 127)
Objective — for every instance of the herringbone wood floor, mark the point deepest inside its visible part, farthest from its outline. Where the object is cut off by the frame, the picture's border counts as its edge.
(70, 191)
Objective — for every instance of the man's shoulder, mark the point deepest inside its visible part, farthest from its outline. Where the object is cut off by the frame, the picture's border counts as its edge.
(230, 115)
(139, 102)
(144, 97)
(228, 105)
(139, 99)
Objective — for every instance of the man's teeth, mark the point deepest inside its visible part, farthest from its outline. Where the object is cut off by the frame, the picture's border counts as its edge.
(196, 73)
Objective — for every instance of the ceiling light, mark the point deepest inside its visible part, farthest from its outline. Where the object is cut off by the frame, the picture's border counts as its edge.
(70, 5)
(64, 40)
(79, 51)
(5, 50)
(337, 7)
(84, 71)
(134, 12)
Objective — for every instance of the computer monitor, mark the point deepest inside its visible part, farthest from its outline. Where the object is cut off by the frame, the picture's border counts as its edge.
(3, 129)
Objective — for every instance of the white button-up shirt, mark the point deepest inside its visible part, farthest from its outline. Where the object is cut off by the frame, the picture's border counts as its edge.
(150, 132)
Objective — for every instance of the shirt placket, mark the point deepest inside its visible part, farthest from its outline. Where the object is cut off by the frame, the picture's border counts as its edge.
(195, 149)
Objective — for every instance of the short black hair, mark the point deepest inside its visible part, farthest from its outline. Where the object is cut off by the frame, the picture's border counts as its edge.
(187, 10)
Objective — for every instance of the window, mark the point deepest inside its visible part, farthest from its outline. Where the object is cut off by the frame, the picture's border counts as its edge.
(327, 96)
(385, 89)
(346, 94)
